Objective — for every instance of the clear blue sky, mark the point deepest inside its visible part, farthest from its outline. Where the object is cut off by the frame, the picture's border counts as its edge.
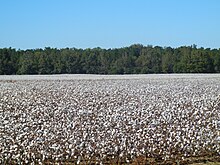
(109, 23)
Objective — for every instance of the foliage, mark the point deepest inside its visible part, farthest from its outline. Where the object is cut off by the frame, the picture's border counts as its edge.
(136, 59)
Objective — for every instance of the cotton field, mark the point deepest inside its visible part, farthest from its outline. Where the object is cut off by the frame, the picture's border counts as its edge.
(87, 119)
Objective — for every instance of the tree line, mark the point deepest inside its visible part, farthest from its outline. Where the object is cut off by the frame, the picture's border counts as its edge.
(135, 59)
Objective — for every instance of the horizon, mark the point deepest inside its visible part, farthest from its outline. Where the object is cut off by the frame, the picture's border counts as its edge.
(109, 24)
(164, 47)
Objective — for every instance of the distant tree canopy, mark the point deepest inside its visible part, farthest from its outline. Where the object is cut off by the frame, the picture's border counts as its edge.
(135, 59)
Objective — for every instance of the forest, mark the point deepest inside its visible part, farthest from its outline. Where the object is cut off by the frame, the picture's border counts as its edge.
(135, 59)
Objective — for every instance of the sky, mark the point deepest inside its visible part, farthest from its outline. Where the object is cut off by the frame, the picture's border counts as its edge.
(30, 24)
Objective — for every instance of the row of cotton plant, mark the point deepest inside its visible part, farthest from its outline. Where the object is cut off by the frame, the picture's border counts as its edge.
(106, 120)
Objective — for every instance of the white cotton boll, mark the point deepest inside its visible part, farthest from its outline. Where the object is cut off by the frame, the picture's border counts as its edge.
(93, 117)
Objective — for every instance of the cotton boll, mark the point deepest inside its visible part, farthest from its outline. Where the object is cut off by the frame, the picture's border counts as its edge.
(101, 118)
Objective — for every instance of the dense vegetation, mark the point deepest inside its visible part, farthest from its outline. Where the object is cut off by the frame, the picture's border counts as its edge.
(128, 60)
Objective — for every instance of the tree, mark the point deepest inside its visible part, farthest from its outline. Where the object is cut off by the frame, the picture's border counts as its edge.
(168, 60)
(27, 63)
(8, 61)
(133, 59)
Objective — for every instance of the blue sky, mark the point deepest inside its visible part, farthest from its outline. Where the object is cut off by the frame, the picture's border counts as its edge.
(109, 23)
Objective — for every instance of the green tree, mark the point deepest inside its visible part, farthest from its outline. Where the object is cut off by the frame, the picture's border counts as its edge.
(168, 60)
(27, 63)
